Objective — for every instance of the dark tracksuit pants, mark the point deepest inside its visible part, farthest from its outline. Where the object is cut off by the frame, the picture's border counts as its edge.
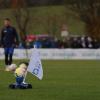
(8, 55)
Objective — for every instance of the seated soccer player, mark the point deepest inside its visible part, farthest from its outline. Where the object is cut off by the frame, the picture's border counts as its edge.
(19, 72)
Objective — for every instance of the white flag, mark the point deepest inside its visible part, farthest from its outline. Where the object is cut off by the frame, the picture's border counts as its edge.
(35, 66)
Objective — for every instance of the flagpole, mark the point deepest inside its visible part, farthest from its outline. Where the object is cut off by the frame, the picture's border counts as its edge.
(27, 71)
(25, 77)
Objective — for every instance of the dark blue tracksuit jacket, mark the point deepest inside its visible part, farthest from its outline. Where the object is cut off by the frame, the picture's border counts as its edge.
(9, 37)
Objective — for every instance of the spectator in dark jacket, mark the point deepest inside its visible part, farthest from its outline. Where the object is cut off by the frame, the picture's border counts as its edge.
(9, 38)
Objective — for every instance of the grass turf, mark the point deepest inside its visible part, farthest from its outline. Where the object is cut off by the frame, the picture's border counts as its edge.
(63, 80)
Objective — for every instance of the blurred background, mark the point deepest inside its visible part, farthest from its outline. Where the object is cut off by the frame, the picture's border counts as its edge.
(69, 30)
(54, 23)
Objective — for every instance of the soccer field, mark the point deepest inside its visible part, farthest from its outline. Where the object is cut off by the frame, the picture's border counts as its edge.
(63, 80)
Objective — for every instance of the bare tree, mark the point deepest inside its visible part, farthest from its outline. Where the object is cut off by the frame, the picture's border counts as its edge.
(4, 4)
(52, 25)
(22, 16)
(89, 13)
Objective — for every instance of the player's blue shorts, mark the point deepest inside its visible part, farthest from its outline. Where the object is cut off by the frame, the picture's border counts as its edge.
(19, 80)
(9, 50)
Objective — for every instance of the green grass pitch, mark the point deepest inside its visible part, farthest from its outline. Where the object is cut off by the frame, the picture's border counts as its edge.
(63, 80)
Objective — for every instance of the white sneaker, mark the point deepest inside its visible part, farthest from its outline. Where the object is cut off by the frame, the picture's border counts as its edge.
(24, 83)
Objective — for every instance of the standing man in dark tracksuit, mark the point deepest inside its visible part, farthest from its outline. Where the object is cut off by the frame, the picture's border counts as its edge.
(9, 38)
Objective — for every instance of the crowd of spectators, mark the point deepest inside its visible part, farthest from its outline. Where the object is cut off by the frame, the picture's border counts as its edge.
(84, 42)
(71, 42)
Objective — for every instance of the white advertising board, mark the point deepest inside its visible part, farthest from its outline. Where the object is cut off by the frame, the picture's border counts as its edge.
(57, 54)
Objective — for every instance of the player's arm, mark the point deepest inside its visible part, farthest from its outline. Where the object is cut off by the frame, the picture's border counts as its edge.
(2, 38)
(16, 37)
